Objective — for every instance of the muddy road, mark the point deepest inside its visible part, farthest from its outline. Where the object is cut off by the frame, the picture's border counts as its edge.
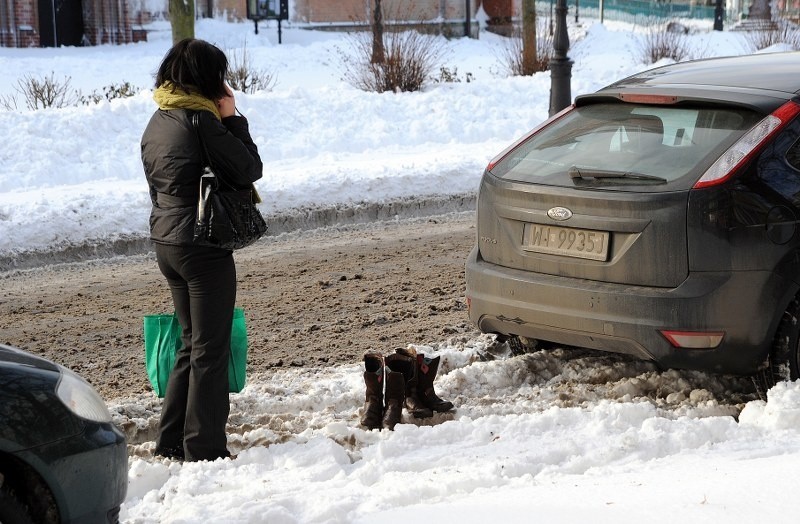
(311, 299)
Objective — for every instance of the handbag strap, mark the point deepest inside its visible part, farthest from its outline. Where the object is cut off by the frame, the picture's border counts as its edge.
(203, 148)
(216, 180)
(207, 158)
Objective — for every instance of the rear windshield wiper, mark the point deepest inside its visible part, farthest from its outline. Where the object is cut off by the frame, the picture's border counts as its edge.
(586, 172)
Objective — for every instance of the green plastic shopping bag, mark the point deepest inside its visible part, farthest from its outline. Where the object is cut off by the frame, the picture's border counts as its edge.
(162, 339)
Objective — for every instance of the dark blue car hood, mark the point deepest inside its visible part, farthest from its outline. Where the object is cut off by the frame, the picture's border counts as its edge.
(10, 357)
(31, 414)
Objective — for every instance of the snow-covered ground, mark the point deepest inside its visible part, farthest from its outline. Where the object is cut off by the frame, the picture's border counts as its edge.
(555, 436)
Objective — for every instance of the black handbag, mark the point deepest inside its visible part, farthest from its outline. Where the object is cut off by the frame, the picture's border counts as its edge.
(227, 217)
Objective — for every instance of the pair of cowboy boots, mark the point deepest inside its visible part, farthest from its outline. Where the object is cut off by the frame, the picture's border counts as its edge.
(403, 379)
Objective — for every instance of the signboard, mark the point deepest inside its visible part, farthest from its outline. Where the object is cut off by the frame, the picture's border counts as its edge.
(268, 9)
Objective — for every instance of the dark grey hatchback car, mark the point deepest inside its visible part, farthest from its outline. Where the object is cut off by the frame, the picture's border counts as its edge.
(62, 460)
(656, 217)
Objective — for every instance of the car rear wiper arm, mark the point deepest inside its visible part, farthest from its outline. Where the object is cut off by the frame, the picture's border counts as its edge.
(576, 172)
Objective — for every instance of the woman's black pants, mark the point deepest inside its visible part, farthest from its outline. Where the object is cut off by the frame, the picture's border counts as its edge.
(196, 404)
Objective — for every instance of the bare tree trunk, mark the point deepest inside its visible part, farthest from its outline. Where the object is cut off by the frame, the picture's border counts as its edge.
(181, 17)
(378, 53)
(760, 10)
(529, 53)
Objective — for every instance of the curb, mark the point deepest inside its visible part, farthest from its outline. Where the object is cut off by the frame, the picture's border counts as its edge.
(287, 222)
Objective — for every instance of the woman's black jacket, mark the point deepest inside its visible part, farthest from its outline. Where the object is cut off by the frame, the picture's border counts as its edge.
(172, 160)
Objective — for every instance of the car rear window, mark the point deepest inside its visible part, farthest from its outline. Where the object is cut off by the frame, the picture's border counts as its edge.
(655, 146)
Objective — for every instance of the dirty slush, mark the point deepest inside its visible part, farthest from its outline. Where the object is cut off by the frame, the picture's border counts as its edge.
(314, 298)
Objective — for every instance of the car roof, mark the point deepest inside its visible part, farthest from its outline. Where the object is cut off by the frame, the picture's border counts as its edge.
(762, 81)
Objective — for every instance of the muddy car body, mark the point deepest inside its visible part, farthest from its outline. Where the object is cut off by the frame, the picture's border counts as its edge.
(656, 217)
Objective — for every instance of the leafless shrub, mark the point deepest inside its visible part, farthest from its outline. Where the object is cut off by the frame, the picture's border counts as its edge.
(451, 76)
(243, 76)
(110, 92)
(772, 33)
(9, 102)
(661, 42)
(410, 58)
(40, 93)
(511, 52)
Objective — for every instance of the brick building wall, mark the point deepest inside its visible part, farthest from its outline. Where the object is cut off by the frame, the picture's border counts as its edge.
(437, 16)
(232, 9)
(18, 24)
(343, 11)
(106, 22)
(93, 22)
(120, 21)
(319, 11)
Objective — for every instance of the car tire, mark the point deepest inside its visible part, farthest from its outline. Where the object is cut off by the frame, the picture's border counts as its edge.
(522, 345)
(11, 509)
(784, 357)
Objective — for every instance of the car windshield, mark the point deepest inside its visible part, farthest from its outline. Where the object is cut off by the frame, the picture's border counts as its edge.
(645, 146)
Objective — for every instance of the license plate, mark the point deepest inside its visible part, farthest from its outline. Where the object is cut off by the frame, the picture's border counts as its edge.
(566, 241)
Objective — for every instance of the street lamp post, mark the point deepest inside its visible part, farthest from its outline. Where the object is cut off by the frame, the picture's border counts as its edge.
(560, 64)
(719, 13)
(467, 24)
(55, 23)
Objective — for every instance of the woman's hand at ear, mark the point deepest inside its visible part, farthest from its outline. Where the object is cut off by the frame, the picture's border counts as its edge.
(227, 105)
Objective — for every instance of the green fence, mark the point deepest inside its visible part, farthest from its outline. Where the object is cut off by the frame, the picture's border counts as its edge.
(647, 9)
(634, 11)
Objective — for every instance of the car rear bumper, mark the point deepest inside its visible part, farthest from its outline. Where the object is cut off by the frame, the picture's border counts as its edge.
(628, 319)
(87, 473)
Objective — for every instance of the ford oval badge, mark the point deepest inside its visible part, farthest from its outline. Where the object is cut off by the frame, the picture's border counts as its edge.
(559, 213)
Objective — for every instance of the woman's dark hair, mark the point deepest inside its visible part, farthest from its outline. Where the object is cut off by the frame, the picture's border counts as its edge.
(194, 65)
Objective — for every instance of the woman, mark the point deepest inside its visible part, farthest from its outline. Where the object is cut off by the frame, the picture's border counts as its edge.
(202, 280)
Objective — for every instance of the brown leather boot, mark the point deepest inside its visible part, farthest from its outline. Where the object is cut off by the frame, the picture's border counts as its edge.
(373, 379)
(408, 364)
(426, 372)
(395, 391)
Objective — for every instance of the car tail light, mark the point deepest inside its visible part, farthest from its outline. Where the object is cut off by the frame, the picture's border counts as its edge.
(746, 147)
(535, 130)
(694, 339)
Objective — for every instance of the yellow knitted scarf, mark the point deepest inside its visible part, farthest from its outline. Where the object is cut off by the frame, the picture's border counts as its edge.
(167, 98)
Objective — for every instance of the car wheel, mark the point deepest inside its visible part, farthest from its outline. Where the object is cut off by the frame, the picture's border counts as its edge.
(784, 357)
(11, 510)
(522, 345)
